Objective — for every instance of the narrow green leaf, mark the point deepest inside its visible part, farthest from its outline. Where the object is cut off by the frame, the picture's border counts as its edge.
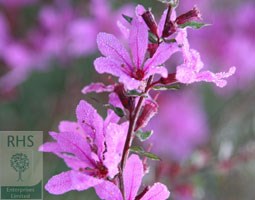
(128, 18)
(135, 93)
(118, 111)
(144, 135)
(167, 87)
(151, 156)
(136, 149)
(139, 150)
(193, 24)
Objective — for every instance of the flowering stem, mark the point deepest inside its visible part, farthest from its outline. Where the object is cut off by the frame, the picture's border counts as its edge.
(133, 119)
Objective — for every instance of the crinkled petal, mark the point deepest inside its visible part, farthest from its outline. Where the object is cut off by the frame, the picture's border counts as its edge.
(162, 54)
(92, 124)
(108, 191)
(115, 137)
(156, 192)
(110, 46)
(98, 88)
(187, 76)
(70, 180)
(138, 41)
(132, 175)
(217, 78)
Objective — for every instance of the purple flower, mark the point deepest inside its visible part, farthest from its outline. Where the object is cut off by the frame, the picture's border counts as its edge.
(179, 126)
(132, 175)
(91, 147)
(132, 69)
(189, 71)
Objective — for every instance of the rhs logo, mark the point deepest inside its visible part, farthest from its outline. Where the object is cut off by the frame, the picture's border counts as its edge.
(20, 163)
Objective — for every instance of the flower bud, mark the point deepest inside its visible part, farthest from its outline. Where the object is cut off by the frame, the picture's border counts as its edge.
(170, 26)
(150, 21)
(127, 102)
(193, 14)
(169, 80)
(149, 110)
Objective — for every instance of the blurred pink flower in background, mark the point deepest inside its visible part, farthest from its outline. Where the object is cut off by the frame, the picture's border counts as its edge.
(179, 127)
(63, 33)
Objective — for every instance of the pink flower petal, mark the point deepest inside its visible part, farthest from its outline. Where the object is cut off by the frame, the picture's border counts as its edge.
(92, 124)
(67, 126)
(157, 70)
(162, 22)
(108, 191)
(70, 180)
(60, 183)
(156, 192)
(132, 175)
(111, 115)
(162, 54)
(75, 144)
(130, 83)
(139, 10)
(115, 137)
(108, 65)
(216, 78)
(82, 181)
(138, 41)
(98, 88)
(110, 46)
(50, 147)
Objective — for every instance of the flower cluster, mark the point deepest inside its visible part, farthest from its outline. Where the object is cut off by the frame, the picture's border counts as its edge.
(97, 151)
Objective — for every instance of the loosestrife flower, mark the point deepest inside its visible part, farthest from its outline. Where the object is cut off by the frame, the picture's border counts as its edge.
(91, 147)
(132, 69)
(189, 71)
(133, 174)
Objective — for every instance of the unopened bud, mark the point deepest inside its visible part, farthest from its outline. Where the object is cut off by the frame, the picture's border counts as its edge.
(169, 80)
(149, 110)
(193, 14)
(127, 101)
(151, 22)
(170, 26)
